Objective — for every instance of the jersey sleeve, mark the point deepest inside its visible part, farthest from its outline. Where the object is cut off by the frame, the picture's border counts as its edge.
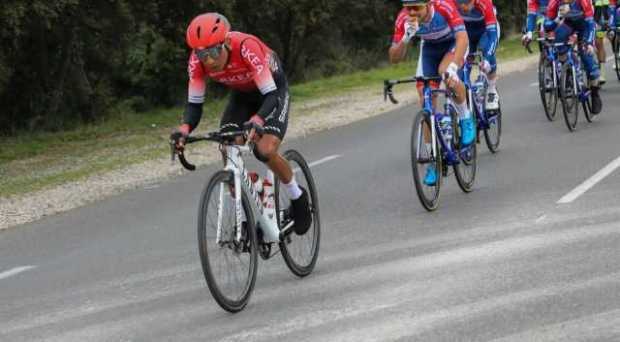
(588, 9)
(399, 27)
(449, 11)
(552, 9)
(487, 9)
(257, 60)
(533, 6)
(197, 84)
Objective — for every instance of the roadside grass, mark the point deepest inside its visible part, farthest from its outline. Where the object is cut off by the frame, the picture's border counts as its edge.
(34, 161)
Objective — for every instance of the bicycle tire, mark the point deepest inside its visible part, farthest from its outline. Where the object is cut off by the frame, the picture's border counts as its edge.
(548, 96)
(616, 50)
(417, 134)
(313, 235)
(570, 100)
(493, 133)
(237, 304)
(467, 158)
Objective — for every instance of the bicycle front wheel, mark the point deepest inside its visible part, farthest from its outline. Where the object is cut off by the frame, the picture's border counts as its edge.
(424, 155)
(570, 98)
(546, 88)
(300, 252)
(228, 253)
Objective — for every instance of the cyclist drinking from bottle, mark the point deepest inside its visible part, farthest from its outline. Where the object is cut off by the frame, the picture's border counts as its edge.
(577, 16)
(443, 50)
(259, 97)
(483, 32)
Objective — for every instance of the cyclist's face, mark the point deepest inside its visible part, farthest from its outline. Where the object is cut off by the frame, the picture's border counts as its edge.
(216, 63)
(417, 11)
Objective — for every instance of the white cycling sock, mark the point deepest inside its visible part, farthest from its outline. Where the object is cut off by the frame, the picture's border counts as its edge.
(463, 110)
(293, 189)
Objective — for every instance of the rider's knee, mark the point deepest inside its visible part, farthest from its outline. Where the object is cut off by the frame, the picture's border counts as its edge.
(266, 150)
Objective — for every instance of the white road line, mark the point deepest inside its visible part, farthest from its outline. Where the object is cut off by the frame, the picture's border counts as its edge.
(590, 182)
(15, 271)
(324, 160)
(319, 162)
(535, 84)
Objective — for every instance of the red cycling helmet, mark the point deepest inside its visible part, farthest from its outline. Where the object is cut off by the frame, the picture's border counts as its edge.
(207, 30)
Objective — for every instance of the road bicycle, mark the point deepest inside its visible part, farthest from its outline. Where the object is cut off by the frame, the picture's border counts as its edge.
(442, 144)
(487, 121)
(614, 37)
(549, 72)
(237, 221)
(574, 90)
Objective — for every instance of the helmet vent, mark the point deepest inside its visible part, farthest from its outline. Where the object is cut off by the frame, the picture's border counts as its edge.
(215, 29)
(198, 31)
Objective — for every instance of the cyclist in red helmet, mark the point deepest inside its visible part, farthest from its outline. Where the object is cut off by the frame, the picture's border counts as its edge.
(259, 96)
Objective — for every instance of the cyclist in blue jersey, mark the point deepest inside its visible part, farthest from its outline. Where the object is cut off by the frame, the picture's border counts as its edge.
(443, 49)
(577, 16)
(483, 31)
(536, 11)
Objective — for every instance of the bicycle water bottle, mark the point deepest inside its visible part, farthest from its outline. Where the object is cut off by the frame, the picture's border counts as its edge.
(257, 183)
(445, 124)
(268, 200)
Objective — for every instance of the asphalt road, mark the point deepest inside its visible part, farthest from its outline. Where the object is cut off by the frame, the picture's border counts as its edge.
(506, 262)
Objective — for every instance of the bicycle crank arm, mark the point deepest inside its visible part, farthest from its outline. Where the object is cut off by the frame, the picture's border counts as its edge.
(286, 231)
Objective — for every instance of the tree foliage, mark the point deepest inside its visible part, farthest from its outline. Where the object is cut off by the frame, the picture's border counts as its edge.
(66, 62)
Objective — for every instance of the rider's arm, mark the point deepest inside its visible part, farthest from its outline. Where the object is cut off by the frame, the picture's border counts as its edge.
(196, 93)
(462, 45)
(398, 50)
(532, 14)
(449, 11)
(490, 20)
(611, 11)
(588, 11)
(258, 61)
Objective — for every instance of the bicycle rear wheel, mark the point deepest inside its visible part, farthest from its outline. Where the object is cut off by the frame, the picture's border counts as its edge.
(493, 134)
(422, 156)
(570, 98)
(616, 50)
(587, 104)
(546, 87)
(300, 252)
(465, 170)
(229, 265)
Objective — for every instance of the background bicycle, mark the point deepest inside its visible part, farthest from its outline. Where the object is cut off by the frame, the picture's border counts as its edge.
(435, 142)
(489, 122)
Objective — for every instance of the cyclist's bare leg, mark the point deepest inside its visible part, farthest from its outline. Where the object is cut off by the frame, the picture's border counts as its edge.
(600, 50)
(268, 146)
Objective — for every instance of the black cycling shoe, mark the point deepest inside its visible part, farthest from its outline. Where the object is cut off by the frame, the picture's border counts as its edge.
(597, 104)
(300, 209)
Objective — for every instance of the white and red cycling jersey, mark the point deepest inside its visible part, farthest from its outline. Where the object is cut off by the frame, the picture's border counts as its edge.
(249, 68)
(444, 24)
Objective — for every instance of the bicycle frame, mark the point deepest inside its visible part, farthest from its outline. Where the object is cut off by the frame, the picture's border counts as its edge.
(449, 154)
(475, 89)
(235, 164)
(574, 62)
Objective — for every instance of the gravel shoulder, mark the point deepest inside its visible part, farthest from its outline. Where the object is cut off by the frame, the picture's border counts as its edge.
(306, 118)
